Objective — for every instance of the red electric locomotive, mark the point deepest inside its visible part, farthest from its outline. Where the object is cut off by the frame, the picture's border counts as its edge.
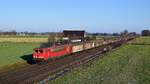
(43, 54)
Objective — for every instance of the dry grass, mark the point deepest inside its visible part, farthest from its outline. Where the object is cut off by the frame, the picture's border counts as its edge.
(22, 39)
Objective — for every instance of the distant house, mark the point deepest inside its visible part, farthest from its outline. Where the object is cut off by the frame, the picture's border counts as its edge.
(74, 35)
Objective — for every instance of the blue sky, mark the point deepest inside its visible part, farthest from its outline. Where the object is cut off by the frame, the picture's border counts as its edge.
(91, 15)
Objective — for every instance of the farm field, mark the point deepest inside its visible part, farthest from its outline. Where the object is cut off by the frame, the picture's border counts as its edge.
(17, 36)
(129, 64)
(26, 39)
(15, 53)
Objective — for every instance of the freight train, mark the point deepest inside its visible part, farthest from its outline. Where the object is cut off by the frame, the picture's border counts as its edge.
(44, 54)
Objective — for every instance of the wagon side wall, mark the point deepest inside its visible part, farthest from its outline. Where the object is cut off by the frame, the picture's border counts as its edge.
(77, 48)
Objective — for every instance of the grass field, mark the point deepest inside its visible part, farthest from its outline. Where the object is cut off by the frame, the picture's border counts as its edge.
(129, 64)
(12, 53)
(142, 40)
(17, 36)
(25, 39)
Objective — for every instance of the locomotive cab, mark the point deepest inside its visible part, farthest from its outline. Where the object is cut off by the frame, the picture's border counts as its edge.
(40, 54)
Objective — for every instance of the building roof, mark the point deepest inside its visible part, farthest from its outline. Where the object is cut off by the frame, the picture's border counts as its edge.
(74, 32)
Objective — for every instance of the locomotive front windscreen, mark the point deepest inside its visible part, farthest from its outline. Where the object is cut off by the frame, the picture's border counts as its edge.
(39, 51)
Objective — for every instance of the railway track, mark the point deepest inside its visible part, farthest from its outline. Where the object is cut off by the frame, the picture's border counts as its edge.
(41, 73)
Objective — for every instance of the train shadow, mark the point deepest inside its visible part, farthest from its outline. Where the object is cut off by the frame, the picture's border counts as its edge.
(28, 58)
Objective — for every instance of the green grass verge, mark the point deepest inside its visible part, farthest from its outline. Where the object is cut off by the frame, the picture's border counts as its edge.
(15, 53)
(129, 64)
